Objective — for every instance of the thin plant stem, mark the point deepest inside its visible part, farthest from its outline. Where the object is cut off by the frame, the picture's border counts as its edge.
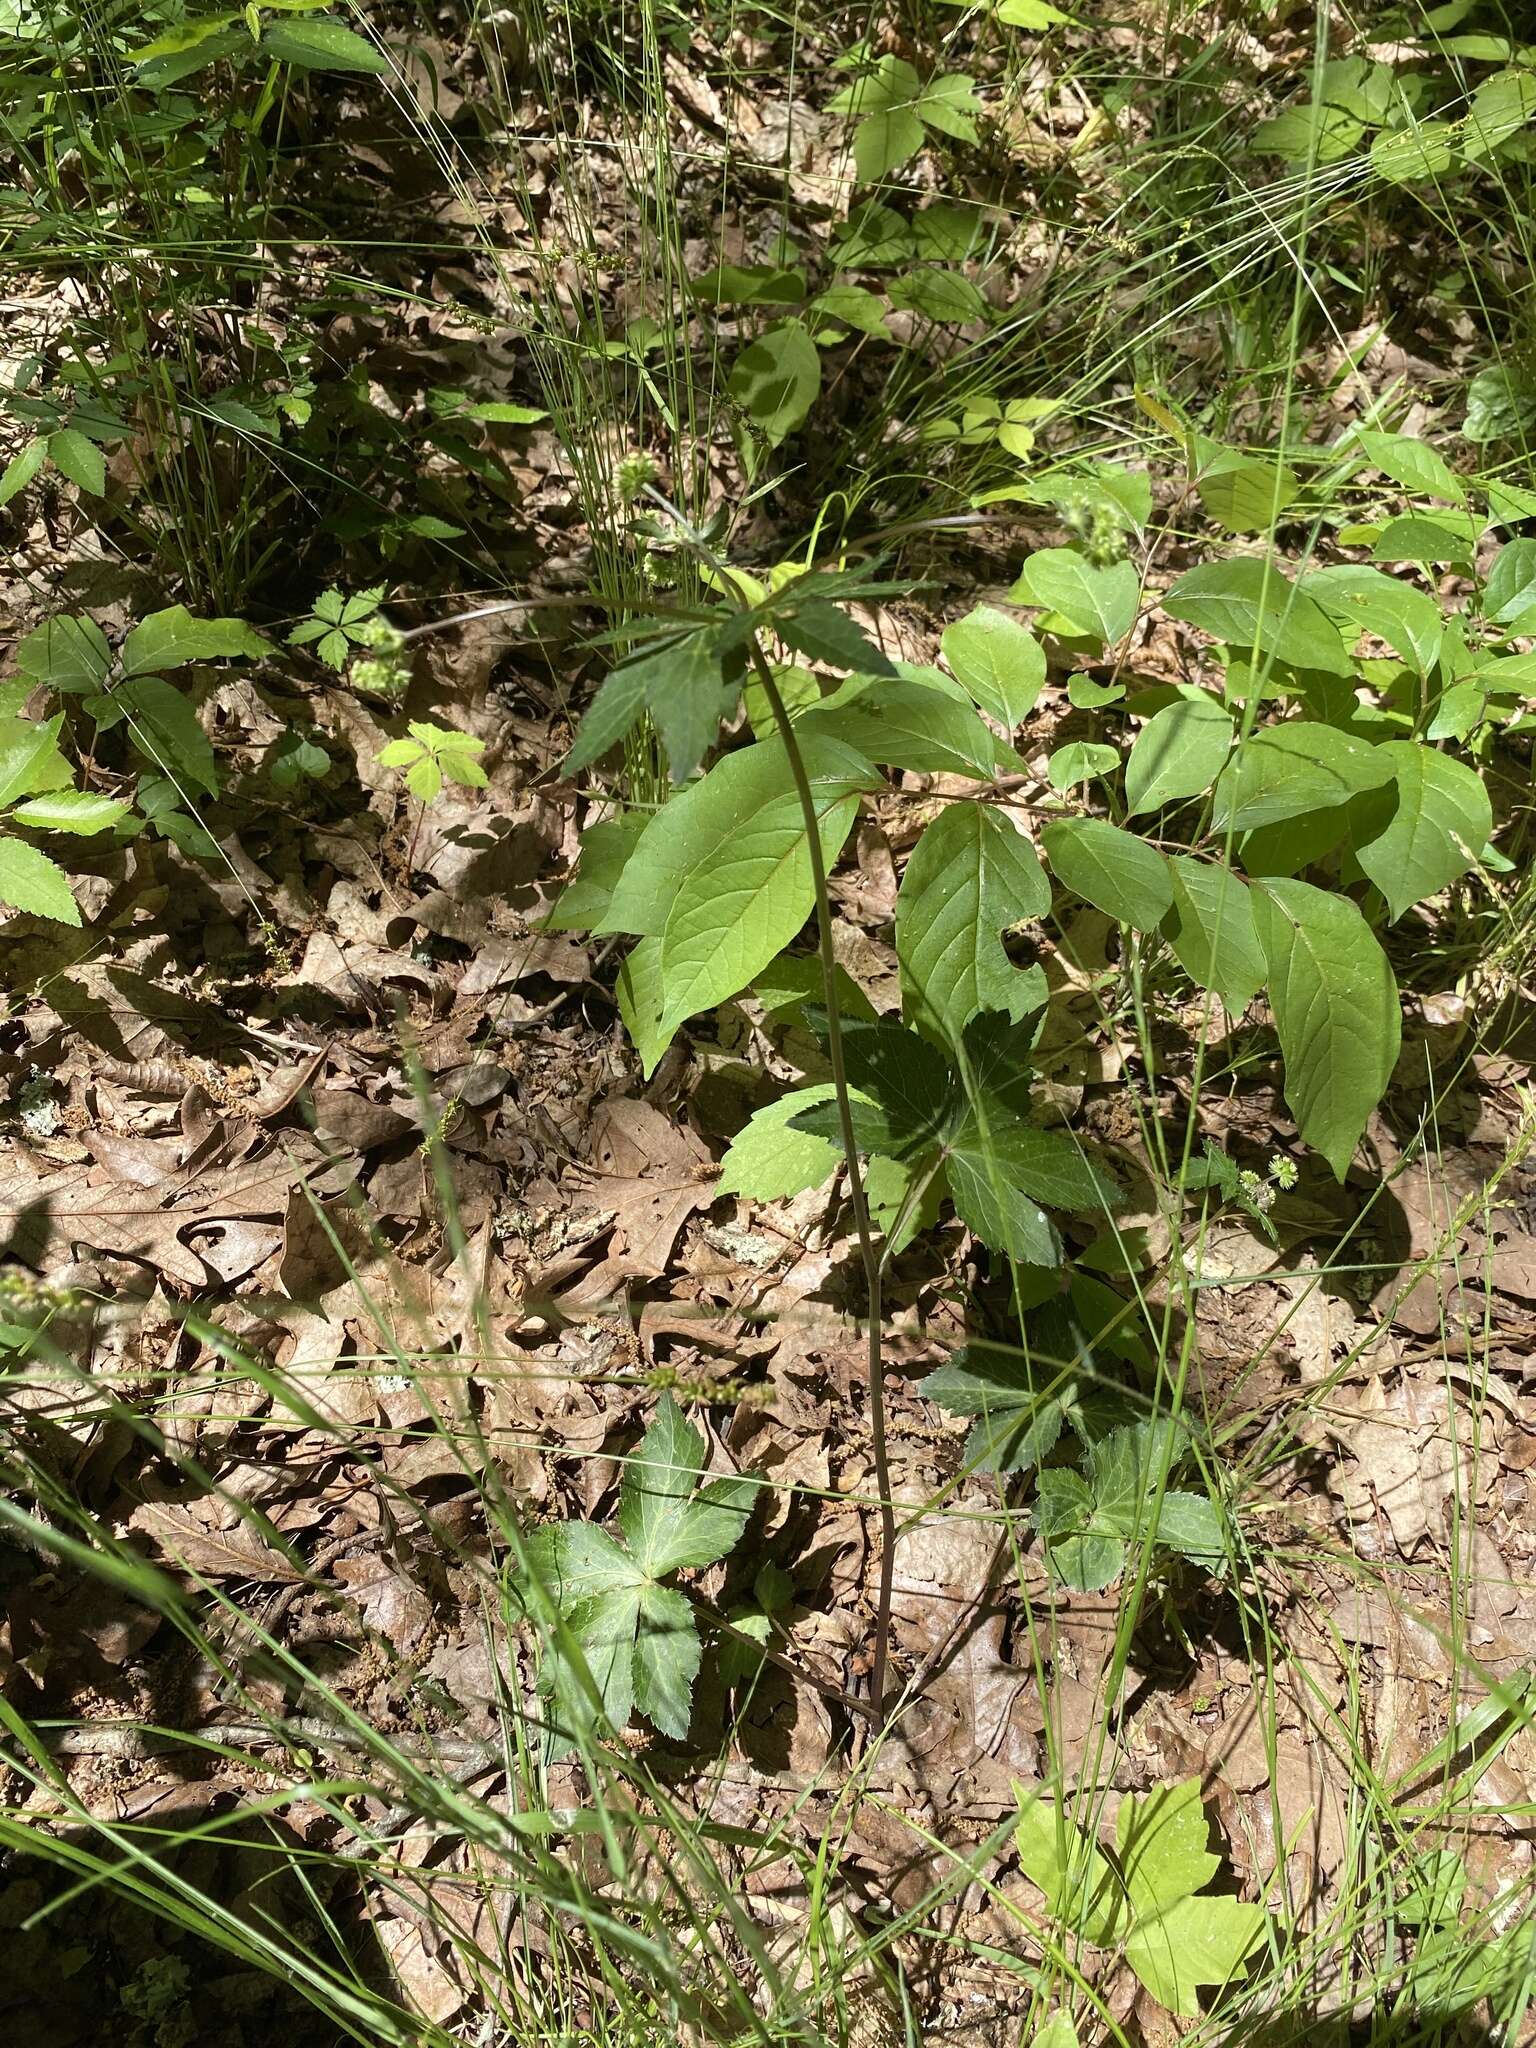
(868, 1252)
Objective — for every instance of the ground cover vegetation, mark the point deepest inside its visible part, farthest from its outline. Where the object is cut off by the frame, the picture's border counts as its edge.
(765, 811)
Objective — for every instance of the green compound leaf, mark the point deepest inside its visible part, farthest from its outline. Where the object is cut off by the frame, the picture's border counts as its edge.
(1181, 1936)
(1337, 1012)
(825, 634)
(1249, 603)
(1177, 754)
(1438, 831)
(1103, 602)
(30, 881)
(1018, 1420)
(22, 468)
(971, 877)
(682, 684)
(1212, 932)
(998, 662)
(636, 1638)
(1111, 869)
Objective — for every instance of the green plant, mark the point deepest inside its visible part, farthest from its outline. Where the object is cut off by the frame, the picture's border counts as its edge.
(637, 1640)
(1150, 1897)
(37, 791)
(432, 755)
(125, 691)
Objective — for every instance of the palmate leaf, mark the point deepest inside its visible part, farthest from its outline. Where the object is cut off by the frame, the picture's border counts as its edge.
(625, 1637)
(1089, 1520)
(1017, 1418)
(681, 682)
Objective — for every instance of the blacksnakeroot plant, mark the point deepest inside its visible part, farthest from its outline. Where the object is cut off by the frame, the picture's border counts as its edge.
(1245, 853)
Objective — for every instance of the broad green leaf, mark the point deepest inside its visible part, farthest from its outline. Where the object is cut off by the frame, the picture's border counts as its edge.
(850, 306)
(1424, 149)
(1509, 596)
(639, 992)
(1244, 493)
(1212, 932)
(72, 810)
(1181, 1937)
(687, 834)
(998, 661)
(1080, 761)
(776, 378)
(1102, 601)
(904, 1091)
(1411, 463)
(1191, 1524)
(904, 722)
(1111, 869)
(1177, 754)
(78, 458)
(172, 638)
(1249, 603)
(22, 468)
(749, 284)
(1438, 831)
(322, 44)
(1336, 1008)
(30, 881)
(949, 104)
(663, 1522)
(971, 877)
(946, 297)
(1286, 770)
(1083, 1887)
(1018, 1416)
(576, 1561)
(1194, 1942)
(770, 1161)
(666, 1660)
(1500, 108)
(1361, 599)
(735, 910)
(31, 763)
(605, 849)
(1449, 537)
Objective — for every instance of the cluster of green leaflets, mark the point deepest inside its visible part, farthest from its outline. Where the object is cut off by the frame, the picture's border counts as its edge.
(71, 656)
(626, 1641)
